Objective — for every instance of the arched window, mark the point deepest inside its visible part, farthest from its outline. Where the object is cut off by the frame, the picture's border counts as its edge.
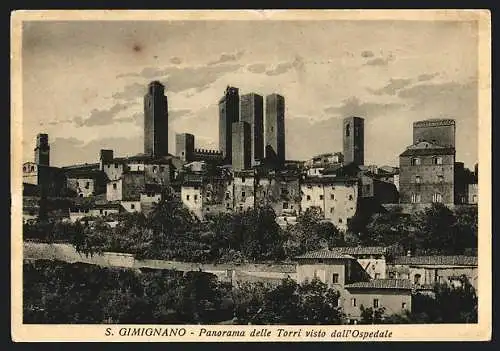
(415, 161)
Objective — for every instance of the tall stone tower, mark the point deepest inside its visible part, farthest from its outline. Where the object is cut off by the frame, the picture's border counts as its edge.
(354, 140)
(275, 129)
(252, 112)
(435, 131)
(242, 145)
(184, 146)
(156, 120)
(42, 150)
(229, 112)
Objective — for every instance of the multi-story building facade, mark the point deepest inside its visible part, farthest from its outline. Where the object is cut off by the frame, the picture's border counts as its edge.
(156, 120)
(252, 112)
(427, 174)
(229, 112)
(275, 130)
(354, 140)
(336, 197)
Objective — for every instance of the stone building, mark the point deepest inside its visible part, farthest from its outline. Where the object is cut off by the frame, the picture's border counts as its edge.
(252, 112)
(186, 151)
(242, 146)
(354, 140)
(344, 273)
(336, 197)
(42, 150)
(427, 270)
(435, 131)
(86, 183)
(279, 190)
(373, 259)
(427, 174)
(156, 120)
(244, 185)
(229, 112)
(275, 130)
(472, 194)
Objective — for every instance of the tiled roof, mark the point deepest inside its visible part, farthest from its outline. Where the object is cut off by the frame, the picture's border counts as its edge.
(329, 180)
(436, 260)
(360, 250)
(429, 152)
(324, 254)
(382, 284)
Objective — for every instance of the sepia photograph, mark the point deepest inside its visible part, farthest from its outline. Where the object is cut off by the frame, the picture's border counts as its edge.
(251, 175)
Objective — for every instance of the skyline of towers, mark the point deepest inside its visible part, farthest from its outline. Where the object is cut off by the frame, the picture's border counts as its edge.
(241, 145)
(156, 120)
(229, 112)
(275, 129)
(252, 112)
(42, 150)
(353, 140)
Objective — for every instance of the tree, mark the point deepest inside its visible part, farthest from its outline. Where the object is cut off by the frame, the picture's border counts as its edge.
(372, 315)
(436, 229)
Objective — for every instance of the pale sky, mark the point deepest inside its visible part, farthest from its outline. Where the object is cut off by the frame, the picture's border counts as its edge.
(83, 82)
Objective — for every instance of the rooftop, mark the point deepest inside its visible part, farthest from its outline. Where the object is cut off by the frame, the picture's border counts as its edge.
(360, 250)
(382, 284)
(324, 254)
(436, 260)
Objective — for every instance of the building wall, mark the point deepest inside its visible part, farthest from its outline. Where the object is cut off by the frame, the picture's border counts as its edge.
(131, 206)
(348, 271)
(432, 274)
(439, 131)
(281, 193)
(30, 173)
(391, 299)
(84, 187)
(472, 194)
(156, 120)
(241, 146)
(136, 166)
(133, 185)
(192, 199)
(113, 170)
(430, 183)
(157, 174)
(252, 112)
(114, 190)
(337, 201)
(275, 129)
(353, 140)
(42, 150)
(374, 265)
(244, 192)
(184, 146)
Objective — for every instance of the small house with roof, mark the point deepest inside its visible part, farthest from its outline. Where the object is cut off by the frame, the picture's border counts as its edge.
(428, 270)
(371, 258)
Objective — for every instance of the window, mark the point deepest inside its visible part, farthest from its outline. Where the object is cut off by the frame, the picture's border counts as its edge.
(437, 197)
(242, 194)
(415, 161)
(32, 168)
(154, 169)
(243, 179)
(415, 198)
(196, 198)
(77, 184)
(416, 279)
(375, 303)
(392, 275)
(100, 211)
(377, 275)
(195, 187)
(335, 278)
(308, 197)
(474, 198)
(321, 197)
(284, 191)
(162, 169)
(187, 197)
(285, 205)
(353, 302)
(228, 195)
(417, 179)
(116, 165)
(87, 185)
(403, 306)
(332, 196)
(350, 197)
(114, 186)
(347, 130)
(332, 209)
(208, 208)
(81, 195)
(132, 206)
(340, 220)
(437, 160)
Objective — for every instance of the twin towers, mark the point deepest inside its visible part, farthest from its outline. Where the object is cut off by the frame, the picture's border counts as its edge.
(245, 138)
